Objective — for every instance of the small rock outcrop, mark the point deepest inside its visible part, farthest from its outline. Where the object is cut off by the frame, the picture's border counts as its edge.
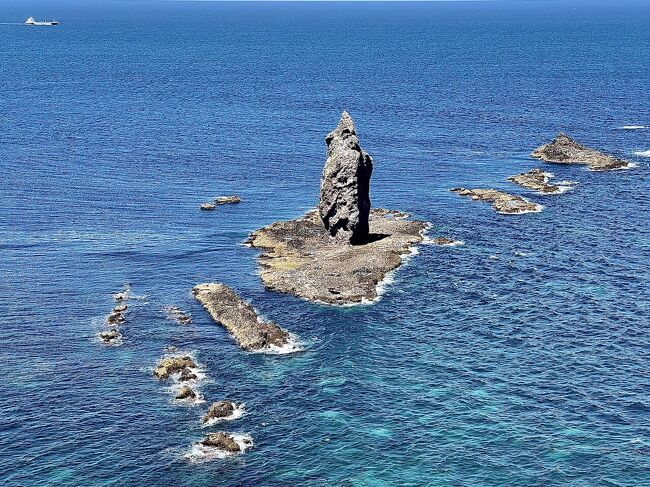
(115, 318)
(186, 392)
(226, 200)
(109, 336)
(187, 375)
(171, 365)
(208, 206)
(239, 318)
(345, 184)
(564, 150)
(536, 180)
(219, 410)
(504, 203)
(222, 441)
(444, 241)
(178, 315)
(120, 308)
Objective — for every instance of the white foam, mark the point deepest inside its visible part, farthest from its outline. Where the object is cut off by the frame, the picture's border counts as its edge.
(634, 127)
(645, 153)
(202, 453)
(236, 414)
(432, 241)
(293, 345)
(629, 165)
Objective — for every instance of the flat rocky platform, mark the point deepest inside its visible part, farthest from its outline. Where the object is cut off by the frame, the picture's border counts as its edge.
(564, 150)
(239, 318)
(299, 256)
(505, 203)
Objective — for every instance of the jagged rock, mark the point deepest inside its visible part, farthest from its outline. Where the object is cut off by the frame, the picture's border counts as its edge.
(208, 206)
(187, 375)
(564, 150)
(115, 318)
(171, 365)
(186, 392)
(300, 258)
(239, 318)
(120, 308)
(505, 203)
(109, 336)
(345, 184)
(222, 441)
(224, 200)
(219, 409)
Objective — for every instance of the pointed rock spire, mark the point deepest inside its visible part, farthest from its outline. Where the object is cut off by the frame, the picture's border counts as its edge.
(345, 185)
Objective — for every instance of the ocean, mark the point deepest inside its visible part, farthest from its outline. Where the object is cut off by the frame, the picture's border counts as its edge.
(521, 358)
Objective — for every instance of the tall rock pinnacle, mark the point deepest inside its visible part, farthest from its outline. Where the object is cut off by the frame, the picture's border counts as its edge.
(345, 185)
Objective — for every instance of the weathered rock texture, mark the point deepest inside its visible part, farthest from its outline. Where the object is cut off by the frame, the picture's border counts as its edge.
(300, 257)
(222, 441)
(345, 185)
(171, 365)
(225, 200)
(186, 392)
(564, 150)
(239, 318)
(535, 179)
(219, 410)
(505, 203)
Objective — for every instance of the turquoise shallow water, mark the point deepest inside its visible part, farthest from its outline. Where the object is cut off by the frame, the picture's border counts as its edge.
(518, 359)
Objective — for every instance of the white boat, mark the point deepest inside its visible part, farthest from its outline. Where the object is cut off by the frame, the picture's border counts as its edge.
(30, 21)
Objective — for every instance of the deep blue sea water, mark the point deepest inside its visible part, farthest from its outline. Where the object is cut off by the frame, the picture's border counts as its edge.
(519, 359)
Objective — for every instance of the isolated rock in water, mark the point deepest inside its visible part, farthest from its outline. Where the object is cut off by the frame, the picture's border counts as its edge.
(222, 441)
(186, 392)
(443, 241)
(219, 409)
(171, 365)
(505, 203)
(208, 206)
(115, 318)
(109, 336)
(299, 257)
(535, 179)
(564, 150)
(178, 315)
(120, 308)
(239, 318)
(187, 375)
(345, 184)
(121, 296)
(224, 200)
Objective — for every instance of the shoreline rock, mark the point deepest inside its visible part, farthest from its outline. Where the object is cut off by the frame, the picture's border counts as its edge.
(564, 150)
(502, 202)
(299, 257)
(239, 318)
(344, 205)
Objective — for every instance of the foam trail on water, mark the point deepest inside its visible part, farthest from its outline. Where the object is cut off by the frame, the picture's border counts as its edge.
(633, 127)
(645, 153)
